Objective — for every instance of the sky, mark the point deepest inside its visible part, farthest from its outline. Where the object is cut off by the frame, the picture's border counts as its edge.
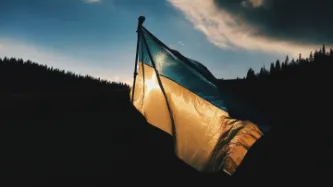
(98, 37)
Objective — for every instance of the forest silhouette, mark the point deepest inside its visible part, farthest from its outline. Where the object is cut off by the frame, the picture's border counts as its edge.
(315, 67)
(18, 76)
(61, 123)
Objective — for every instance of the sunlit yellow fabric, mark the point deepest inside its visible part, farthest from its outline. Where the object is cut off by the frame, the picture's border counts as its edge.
(149, 99)
(207, 138)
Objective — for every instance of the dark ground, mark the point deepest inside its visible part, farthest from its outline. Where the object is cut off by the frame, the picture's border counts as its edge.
(84, 129)
(103, 135)
(300, 140)
(82, 135)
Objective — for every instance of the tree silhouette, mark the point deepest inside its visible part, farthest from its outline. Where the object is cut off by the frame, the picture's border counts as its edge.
(323, 49)
(18, 76)
(251, 74)
(311, 58)
(277, 65)
(317, 66)
(272, 68)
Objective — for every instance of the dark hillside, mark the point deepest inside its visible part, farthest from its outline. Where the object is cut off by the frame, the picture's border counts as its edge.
(58, 123)
(296, 98)
(290, 89)
(80, 135)
(62, 124)
(18, 76)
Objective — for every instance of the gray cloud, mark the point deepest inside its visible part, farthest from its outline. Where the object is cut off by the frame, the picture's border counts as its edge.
(299, 21)
(274, 26)
(227, 30)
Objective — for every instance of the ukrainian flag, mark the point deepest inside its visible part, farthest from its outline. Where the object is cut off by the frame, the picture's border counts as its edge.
(179, 96)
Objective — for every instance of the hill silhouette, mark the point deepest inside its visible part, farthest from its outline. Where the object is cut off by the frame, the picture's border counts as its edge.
(60, 123)
(295, 97)
(18, 76)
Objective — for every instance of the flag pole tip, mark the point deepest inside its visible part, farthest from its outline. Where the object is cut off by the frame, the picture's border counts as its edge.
(141, 20)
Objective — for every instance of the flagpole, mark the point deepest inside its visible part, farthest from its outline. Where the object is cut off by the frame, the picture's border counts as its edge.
(141, 19)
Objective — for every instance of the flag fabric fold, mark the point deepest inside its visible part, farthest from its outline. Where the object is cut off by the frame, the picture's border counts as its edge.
(179, 96)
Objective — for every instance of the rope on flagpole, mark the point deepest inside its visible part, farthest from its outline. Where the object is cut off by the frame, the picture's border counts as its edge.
(173, 127)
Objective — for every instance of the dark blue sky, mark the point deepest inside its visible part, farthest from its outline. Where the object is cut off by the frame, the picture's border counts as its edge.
(98, 37)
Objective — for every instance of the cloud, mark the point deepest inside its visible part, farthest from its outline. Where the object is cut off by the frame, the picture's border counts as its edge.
(301, 21)
(230, 24)
(40, 54)
(92, 1)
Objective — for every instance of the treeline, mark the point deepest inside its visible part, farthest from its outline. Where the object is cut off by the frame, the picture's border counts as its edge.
(19, 76)
(318, 65)
(292, 93)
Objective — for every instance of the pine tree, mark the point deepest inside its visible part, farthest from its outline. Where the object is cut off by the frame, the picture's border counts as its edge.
(323, 49)
(250, 74)
(311, 57)
(286, 61)
(272, 68)
(277, 65)
(263, 73)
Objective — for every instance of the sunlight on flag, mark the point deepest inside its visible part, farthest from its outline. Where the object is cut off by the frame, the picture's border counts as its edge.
(151, 84)
(178, 96)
